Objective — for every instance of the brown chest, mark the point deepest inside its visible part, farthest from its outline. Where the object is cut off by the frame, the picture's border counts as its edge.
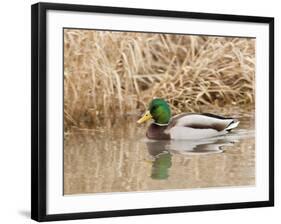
(157, 132)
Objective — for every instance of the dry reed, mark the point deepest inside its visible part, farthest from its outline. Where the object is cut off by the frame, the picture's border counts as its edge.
(111, 74)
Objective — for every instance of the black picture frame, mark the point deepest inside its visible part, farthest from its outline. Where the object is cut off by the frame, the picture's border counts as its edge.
(39, 107)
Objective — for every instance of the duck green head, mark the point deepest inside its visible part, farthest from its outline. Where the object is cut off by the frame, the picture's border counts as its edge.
(158, 110)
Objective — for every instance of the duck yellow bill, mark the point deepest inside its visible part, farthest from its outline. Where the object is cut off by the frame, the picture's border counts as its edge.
(146, 117)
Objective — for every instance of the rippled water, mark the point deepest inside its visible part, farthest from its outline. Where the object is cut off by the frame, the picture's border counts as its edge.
(118, 158)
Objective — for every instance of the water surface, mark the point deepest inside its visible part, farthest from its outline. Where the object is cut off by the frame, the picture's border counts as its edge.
(118, 158)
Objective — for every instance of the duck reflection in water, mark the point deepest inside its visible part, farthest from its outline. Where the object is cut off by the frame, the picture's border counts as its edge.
(162, 152)
(162, 159)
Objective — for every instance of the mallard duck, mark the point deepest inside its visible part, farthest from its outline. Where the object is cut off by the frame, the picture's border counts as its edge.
(186, 126)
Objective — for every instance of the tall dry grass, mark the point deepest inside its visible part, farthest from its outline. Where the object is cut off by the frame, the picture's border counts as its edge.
(111, 74)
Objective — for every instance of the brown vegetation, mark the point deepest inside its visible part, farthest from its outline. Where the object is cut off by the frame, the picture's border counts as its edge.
(111, 74)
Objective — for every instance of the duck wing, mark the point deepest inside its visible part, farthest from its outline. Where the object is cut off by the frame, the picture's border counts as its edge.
(203, 121)
(185, 126)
